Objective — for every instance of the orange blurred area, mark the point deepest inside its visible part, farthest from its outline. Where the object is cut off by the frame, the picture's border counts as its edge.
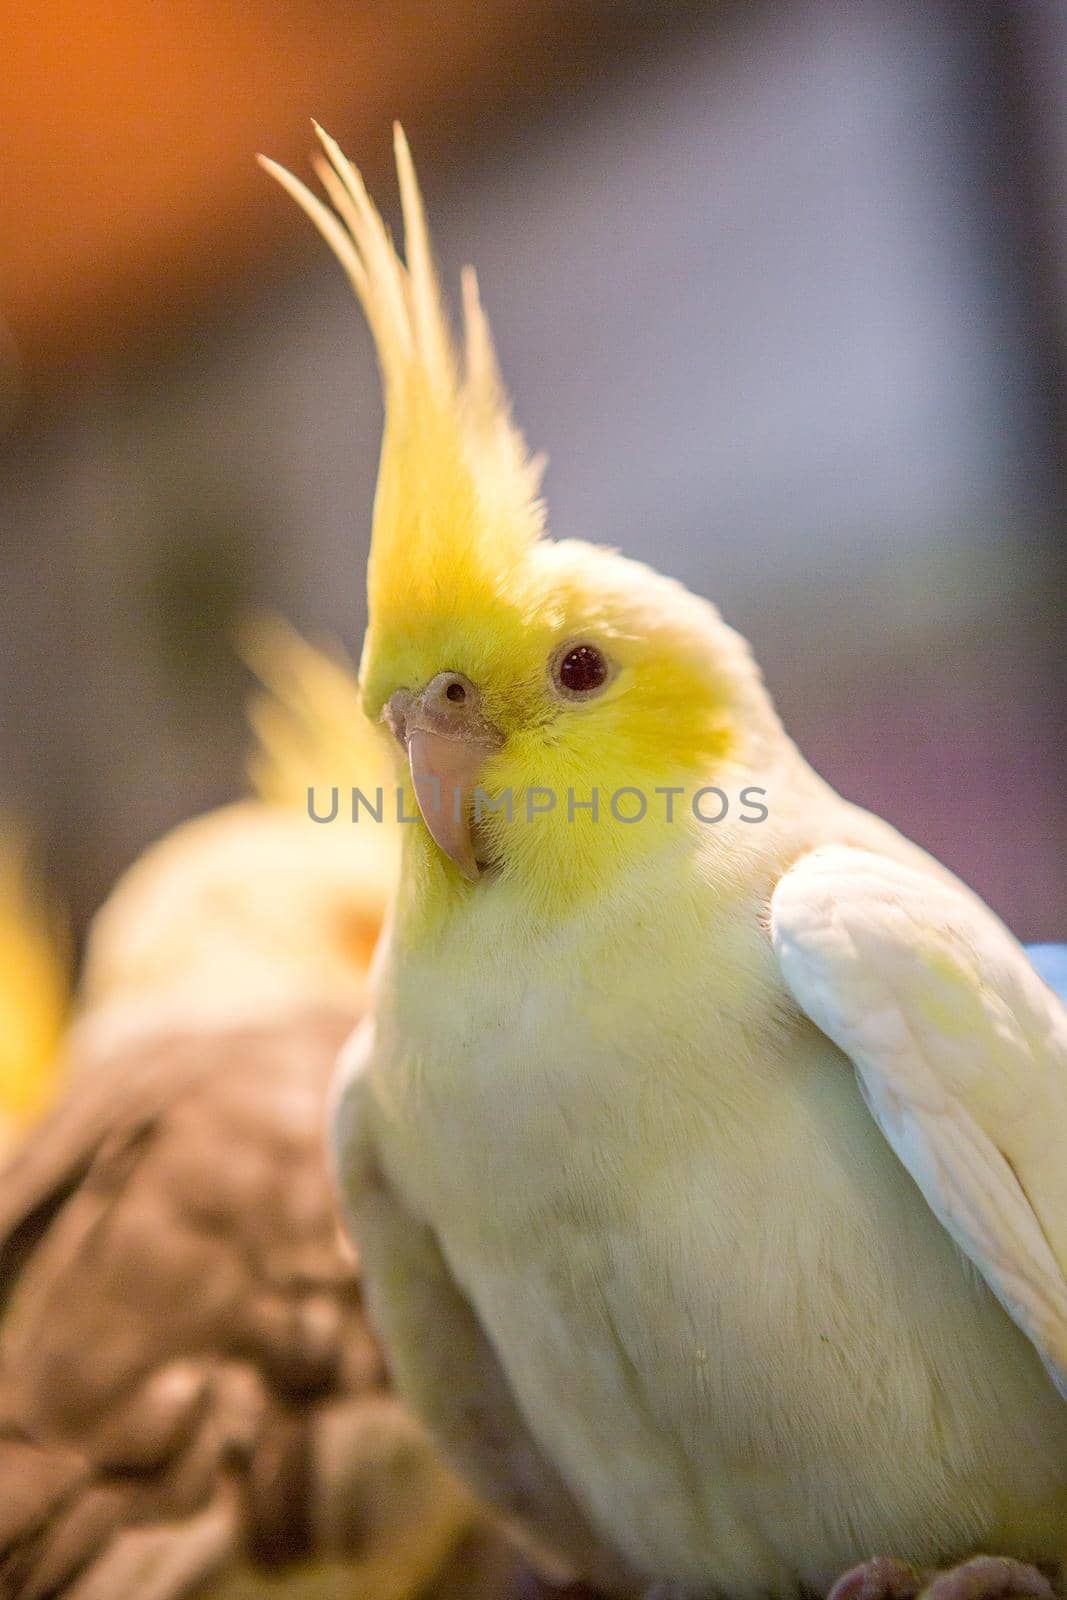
(128, 184)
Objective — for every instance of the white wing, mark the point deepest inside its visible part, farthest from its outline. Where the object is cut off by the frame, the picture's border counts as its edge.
(961, 1052)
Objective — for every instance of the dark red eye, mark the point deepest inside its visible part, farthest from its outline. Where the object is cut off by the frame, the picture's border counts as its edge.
(582, 669)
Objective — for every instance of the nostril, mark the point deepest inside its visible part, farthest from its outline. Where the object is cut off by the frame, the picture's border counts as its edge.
(456, 693)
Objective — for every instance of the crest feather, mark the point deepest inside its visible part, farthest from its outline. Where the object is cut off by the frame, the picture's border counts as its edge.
(457, 502)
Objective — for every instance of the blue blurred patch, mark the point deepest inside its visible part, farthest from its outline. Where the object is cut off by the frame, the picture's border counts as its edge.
(1051, 961)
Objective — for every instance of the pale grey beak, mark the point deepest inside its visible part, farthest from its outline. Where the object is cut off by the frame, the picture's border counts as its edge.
(447, 738)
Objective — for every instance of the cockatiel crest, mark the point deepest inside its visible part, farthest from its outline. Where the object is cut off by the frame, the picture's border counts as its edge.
(451, 457)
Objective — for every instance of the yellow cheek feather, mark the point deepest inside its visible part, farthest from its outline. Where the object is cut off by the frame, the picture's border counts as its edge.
(573, 778)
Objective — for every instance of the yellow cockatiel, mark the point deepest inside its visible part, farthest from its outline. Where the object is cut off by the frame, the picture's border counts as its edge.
(728, 1159)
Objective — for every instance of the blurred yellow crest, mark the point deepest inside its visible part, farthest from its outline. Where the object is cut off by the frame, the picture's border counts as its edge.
(307, 718)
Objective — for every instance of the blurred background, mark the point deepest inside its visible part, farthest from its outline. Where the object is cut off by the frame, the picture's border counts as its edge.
(780, 288)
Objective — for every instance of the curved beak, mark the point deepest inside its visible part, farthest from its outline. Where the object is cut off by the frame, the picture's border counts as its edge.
(447, 740)
(445, 772)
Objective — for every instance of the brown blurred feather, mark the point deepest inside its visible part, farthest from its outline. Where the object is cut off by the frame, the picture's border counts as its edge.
(189, 1389)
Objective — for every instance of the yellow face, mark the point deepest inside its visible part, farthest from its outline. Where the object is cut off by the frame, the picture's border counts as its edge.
(527, 690)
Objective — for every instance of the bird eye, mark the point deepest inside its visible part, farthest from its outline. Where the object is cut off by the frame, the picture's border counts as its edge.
(581, 669)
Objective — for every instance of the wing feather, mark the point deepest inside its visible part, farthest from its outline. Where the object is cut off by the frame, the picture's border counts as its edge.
(961, 1052)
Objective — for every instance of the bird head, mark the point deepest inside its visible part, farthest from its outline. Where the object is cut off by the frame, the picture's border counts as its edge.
(245, 912)
(516, 674)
